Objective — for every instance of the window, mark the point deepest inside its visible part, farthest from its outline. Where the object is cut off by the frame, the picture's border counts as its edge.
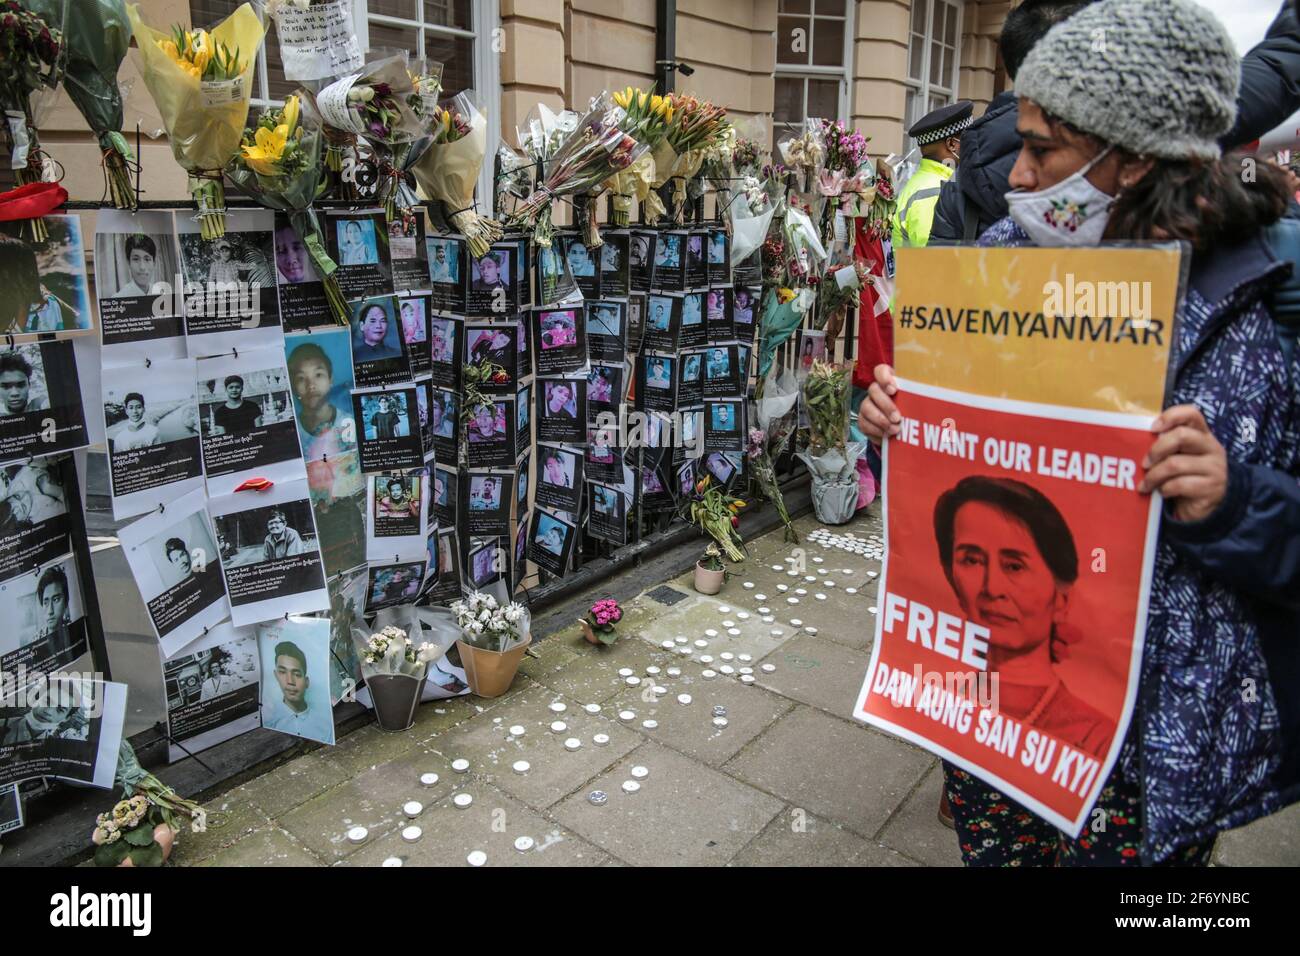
(932, 54)
(814, 40)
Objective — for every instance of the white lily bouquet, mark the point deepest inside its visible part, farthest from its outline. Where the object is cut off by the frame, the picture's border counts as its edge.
(390, 652)
(484, 622)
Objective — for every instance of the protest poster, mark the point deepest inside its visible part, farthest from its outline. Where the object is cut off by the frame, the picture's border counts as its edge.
(230, 291)
(212, 690)
(270, 553)
(139, 285)
(45, 619)
(34, 524)
(295, 653)
(174, 560)
(151, 422)
(247, 420)
(66, 727)
(41, 409)
(1013, 600)
(52, 271)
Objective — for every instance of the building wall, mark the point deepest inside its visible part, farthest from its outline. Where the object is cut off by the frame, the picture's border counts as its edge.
(563, 52)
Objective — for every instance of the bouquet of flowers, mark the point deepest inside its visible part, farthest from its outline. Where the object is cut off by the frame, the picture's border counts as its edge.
(696, 126)
(29, 55)
(597, 149)
(826, 396)
(375, 103)
(839, 289)
(128, 831)
(646, 117)
(717, 512)
(95, 43)
(490, 625)
(831, 458)
(201, 82)
(846, 173)
(279, 165)
(601, 619)
(396, 159)
(804, 153)
(775, 413)
(448, 170)
(391, 652)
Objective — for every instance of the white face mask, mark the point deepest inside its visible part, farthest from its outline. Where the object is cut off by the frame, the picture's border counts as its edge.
(1074, 212)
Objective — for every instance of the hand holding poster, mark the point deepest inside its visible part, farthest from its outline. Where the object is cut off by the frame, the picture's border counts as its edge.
(1013, 601)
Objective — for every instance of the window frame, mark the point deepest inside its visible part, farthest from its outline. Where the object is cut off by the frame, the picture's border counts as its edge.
(806, 72)
(923, 89)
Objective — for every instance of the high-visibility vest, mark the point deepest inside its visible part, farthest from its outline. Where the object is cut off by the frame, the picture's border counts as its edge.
(916, 204)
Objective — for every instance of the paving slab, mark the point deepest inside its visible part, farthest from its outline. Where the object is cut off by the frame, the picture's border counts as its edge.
(847, 773)
(553, 771)
(694, 617)
(490, 824)
(266, 847)
(689, 728)
(818, 672)
(915, 828)
(373, 799)
(1272, 841)
(291, 784)
(592, 676)
(798, 838)
(685, 814)
(229, 820)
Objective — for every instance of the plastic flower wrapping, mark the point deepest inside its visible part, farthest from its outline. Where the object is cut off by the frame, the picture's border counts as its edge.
(646, 117)
(696, 126)
(448, 169)
(201, 82)
(396, 159)
(279, 165)
(95, 42)
(487, 623)
(391, 652)
(596, 149)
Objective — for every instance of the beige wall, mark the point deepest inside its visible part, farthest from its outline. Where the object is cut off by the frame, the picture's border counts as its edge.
(562, 52)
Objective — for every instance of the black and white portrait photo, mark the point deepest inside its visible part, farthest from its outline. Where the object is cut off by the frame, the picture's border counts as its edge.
(34, 523)
(642, 255)
(151, 421)
(231, 297)
(615, 268)
(247, 421)
(41, 410)
(270, 554)
(45, 618)
(174, 558)
(137, 271)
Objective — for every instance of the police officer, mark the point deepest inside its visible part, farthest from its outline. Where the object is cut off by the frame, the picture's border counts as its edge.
(939, 136)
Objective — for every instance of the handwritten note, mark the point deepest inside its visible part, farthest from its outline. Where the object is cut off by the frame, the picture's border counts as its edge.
(317, 42)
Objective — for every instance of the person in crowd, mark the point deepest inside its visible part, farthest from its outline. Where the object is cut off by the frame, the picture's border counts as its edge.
(938, 134)
(1116, 138)
(973, 199)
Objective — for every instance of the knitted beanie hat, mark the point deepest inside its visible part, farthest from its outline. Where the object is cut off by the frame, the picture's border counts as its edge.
(1155, 77)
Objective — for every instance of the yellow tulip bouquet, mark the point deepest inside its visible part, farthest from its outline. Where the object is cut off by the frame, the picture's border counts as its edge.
(646, 116)
(279, 165)
(201, 81)
(448, 170)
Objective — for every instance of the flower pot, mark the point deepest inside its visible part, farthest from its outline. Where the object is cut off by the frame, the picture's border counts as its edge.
(395, 697)
(708, 582)
(490, 673)
(165, 837)
(835, 502)
(588, 633)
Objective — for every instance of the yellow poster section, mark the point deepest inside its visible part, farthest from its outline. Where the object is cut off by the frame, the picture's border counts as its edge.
(1086, 328)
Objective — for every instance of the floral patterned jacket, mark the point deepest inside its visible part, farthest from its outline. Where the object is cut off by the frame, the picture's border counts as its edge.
(1215, 741)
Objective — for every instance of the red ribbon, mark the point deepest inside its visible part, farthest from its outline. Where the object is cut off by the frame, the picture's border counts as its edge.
(31, 201)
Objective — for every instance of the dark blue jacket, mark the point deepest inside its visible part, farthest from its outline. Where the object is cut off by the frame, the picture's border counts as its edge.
(1215, 739)
(1269, 94)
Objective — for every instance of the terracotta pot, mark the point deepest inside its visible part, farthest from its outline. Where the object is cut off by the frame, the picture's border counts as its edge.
(708, 582)
(588, 633)
(395, 696)
(490, 673)
(165, 837)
